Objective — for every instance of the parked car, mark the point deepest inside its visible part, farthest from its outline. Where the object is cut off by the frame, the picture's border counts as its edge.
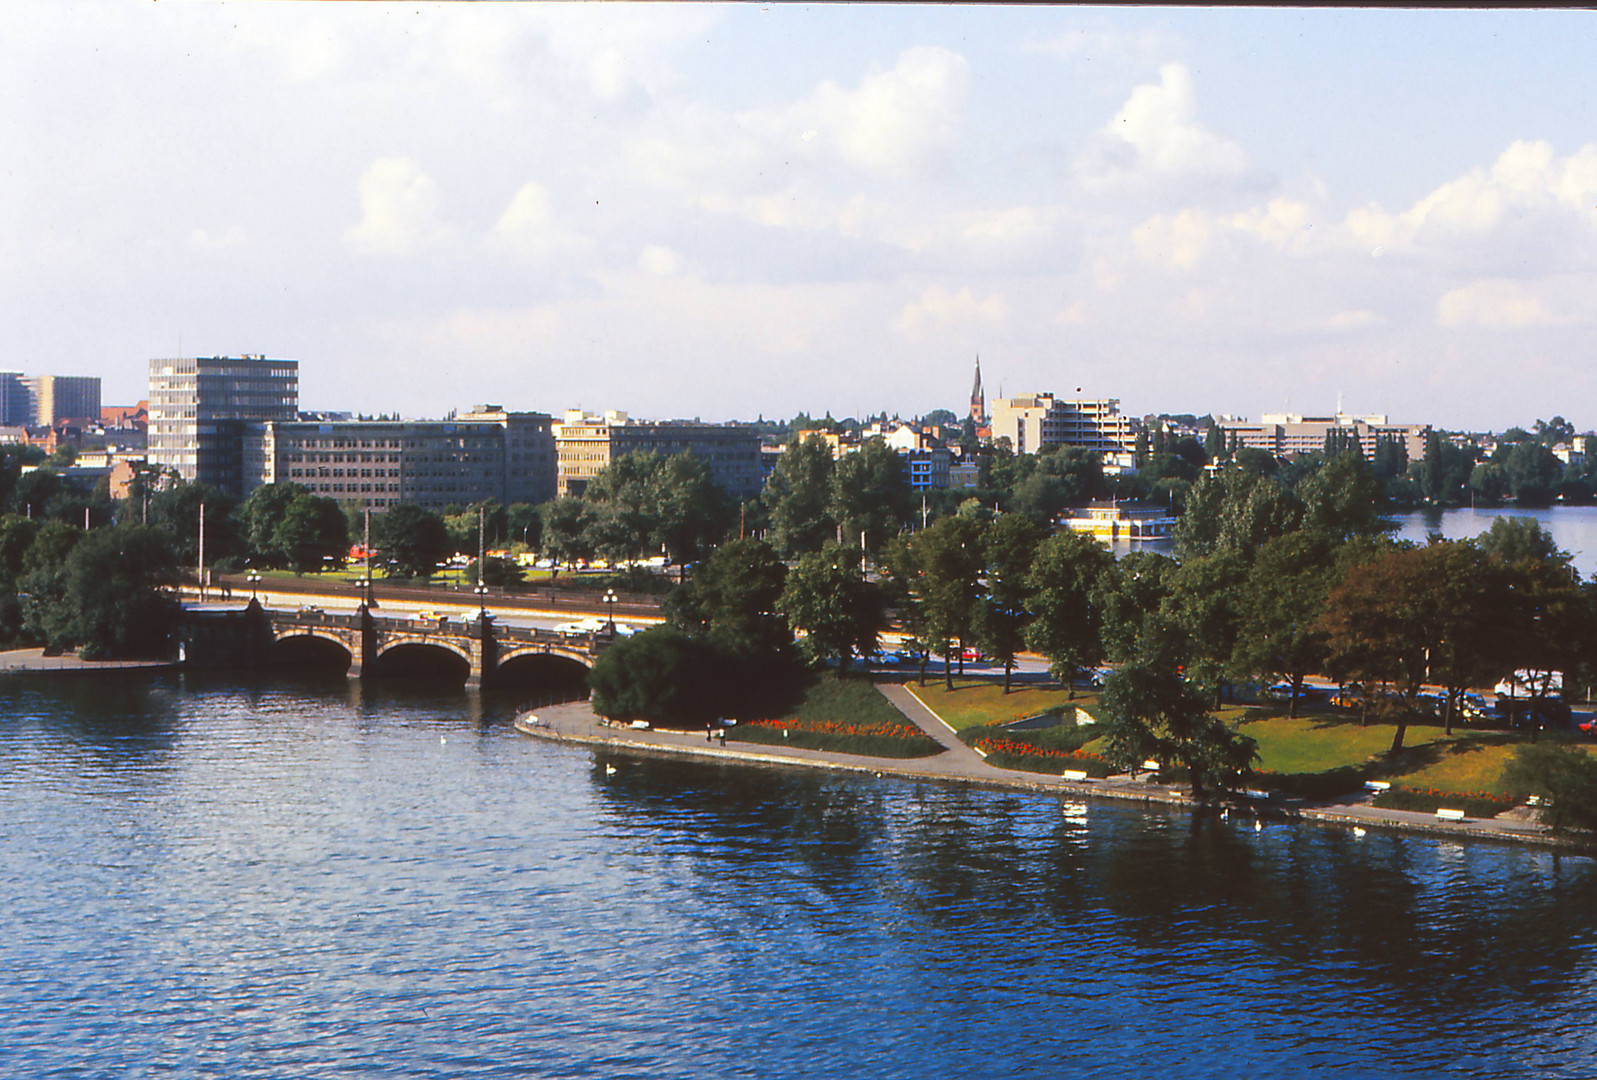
(884, 658)
(973, 656)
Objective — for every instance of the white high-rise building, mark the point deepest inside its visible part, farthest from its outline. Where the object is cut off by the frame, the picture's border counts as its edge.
(199, 407)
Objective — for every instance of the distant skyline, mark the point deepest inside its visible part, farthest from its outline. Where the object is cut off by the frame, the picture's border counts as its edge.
(728, 211)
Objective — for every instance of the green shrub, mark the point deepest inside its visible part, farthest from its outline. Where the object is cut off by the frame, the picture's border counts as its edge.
(1563, 775)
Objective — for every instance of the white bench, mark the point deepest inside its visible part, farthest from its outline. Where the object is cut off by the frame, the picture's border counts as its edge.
(1376, 785)
(1449, 815)
(1074, 774)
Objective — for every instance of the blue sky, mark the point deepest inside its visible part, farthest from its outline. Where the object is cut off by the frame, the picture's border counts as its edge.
(724, 211)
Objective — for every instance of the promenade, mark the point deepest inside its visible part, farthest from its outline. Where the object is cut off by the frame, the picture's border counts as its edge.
(576, 723)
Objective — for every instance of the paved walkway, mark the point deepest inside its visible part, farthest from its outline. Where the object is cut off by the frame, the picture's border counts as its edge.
(35, 660)
(575, 722)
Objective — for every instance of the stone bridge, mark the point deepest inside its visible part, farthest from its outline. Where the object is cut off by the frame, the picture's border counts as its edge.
(253, 636)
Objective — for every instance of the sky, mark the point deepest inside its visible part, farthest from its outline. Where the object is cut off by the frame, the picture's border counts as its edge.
(733, 211)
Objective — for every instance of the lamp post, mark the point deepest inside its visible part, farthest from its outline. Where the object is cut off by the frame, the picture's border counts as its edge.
(610, 602)
(482, 599)
(254, 578)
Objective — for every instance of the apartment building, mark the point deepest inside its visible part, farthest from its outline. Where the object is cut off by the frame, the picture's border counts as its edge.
(1036, 422)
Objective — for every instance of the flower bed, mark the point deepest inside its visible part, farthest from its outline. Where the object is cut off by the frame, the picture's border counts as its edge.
(898, 740)
(1427, 800)
(1006, 753)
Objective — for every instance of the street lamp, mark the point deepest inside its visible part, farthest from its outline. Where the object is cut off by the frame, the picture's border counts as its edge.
(482, 599)
(254, 578)
(610, 601)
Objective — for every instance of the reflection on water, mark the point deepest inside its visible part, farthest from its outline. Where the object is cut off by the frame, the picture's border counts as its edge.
(220, 879)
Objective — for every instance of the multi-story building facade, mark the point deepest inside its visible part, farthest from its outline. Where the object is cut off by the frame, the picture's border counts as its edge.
(63, 397)
(201, 408)
(488, 455)
(586, 442)
(1036, 422)
(1289, 434)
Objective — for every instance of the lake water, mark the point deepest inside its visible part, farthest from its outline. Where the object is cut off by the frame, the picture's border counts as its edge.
(1573, 528)
(208, 879)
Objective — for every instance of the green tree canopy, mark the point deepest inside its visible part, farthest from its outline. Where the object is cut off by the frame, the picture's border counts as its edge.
(797, 497)
(411, 541)
(1063, 589)
(838, 612)
(870, 495)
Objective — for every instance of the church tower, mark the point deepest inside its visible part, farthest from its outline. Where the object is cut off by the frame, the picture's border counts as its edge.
(978, 399)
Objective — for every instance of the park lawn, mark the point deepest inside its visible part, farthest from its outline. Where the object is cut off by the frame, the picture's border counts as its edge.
(1320, 742)
(978, 702)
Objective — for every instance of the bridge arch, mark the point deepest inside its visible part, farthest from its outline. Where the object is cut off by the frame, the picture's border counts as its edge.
(420, 657)
(301, 647)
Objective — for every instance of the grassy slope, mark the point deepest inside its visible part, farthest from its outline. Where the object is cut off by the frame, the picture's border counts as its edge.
(976, 702)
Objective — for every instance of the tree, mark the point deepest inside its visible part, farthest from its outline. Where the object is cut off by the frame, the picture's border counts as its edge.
(660, 675)
(1152, 712)
(1282, 602)
(1061, 477)
(1133, 601)
(837, 611)
(1000, 624)
(1203, 606)
(734, 598)
(411, 540)
(312, 534)
(691, 510)
(1062, 590)
(623, 525)
(1380, 624)
(947, 561)
(565, 534)
(870, 495)
(1339, 500)
(1564, 776)
(797, 496)
(114, 600)
(499, 573)
(1236, 509)
(176, 508)
(258, 518)
(1520, 539)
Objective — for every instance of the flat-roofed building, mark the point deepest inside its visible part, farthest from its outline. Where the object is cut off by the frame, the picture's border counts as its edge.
(1035, 422)
(587, 442)
(489, 455)
(201, 407)
(1290, 434)
(63, 397)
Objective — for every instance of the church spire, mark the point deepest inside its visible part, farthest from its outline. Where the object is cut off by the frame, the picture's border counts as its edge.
(978, 399)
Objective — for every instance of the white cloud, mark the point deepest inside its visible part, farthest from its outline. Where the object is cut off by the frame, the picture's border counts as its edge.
(1155, 138)
(939, 310)
(1175, 241)
(399, 210)
(205, 240)
(1528, 187)
(1354, 319)
(528, 225)
(1496, 304)
(659, 261)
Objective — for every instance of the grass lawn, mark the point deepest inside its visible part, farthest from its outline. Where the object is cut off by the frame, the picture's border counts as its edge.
(844, 714)
(1311, 744)
(980, 702)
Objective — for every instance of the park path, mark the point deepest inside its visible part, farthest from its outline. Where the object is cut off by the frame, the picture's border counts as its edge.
(576, 723)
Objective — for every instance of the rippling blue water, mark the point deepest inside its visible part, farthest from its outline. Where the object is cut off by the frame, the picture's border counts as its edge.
(209, 879)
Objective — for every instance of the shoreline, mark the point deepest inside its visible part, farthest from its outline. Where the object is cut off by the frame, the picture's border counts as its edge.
(575, 724)
(34, 662)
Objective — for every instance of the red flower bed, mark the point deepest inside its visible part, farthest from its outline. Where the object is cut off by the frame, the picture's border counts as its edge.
(834, 727)
(1014, 748)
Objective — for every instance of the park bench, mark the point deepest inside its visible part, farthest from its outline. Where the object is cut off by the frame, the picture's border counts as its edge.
(1074, 774)
(1449, 815)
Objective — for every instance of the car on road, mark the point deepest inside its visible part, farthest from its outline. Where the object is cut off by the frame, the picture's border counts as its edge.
(972, 656)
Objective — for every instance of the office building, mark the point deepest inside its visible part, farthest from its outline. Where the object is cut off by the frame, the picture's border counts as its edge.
(587, 442)
(1289, 434)
(55, 398)
(488, 455)
(201, 407)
